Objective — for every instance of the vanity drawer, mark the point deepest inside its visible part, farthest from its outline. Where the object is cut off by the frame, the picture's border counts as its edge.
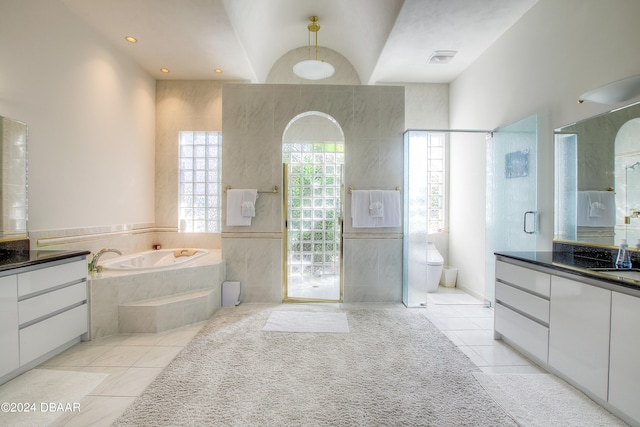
(43, 337)
(527, 303)
(33, 308)
(45, 278)
(531, 280)
(524, 332)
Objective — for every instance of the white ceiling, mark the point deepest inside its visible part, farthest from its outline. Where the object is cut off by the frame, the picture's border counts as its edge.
(385, 40)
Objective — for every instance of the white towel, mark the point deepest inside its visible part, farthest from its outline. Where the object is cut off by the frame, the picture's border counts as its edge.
(248, 209)
(235, 201)
(392, 213)
(376, 207)
(596, 209)
(360, 218)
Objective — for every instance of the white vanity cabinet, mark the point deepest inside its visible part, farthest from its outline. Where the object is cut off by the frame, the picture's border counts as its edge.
(52, 308)
(624, 363)
(522, 308)
(10, 359)
(579, 333)
(43, 311)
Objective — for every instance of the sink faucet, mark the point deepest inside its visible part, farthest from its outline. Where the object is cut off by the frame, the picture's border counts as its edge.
(93, 266)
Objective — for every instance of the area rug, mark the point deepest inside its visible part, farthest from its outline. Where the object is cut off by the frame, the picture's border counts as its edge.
(309, 322)
(545, 400)
(39, 396)
(393, 368)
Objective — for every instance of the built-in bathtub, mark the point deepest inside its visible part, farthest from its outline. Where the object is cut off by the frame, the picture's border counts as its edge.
(155, 260)
(130, 295)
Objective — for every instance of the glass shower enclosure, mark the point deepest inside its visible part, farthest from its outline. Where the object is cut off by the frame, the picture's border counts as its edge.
(424, 203)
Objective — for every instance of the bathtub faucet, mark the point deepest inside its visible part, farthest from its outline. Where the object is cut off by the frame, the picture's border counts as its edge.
(93, 266)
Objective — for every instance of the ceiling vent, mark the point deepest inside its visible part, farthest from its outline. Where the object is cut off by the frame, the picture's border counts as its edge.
(442, 56)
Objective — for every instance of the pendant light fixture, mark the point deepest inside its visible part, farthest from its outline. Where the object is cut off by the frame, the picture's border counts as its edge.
(313, 69)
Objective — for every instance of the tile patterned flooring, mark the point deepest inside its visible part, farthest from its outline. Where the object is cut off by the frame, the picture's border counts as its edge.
(133, 360)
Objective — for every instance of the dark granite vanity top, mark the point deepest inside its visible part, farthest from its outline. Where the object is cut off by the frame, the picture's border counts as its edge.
(599, 267)
(12, 259)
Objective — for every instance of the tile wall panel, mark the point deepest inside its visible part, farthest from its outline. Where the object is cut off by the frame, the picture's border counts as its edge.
(254, 120)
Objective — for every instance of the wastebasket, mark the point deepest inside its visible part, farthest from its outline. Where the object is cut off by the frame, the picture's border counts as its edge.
(449, 277)
(230, 293)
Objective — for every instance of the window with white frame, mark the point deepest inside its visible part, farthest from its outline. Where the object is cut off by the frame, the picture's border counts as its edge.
(199, 181)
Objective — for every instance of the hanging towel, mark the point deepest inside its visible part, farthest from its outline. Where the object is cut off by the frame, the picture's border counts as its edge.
(248, 207)
(392, 214)
(376, 208)
(596, 209)
(235, 199)
(360, 218)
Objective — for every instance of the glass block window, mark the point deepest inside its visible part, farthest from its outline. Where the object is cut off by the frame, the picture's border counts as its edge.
(199, 181)
(314, 207)
(427, 181)
(435, 182)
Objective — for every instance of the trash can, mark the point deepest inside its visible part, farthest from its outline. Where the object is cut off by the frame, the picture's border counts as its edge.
(449, 276)
(230, 293)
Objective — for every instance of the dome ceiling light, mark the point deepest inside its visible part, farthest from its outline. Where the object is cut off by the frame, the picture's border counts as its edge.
(611, 93)
(313, 69)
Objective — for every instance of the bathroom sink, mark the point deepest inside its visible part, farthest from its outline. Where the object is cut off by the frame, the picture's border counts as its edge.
(633, 273)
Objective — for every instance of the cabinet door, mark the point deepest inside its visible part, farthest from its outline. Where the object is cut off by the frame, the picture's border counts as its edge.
(624, 373)
(9, 359)
(579, 333)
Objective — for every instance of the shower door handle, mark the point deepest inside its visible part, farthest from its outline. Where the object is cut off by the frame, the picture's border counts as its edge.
(525, 222)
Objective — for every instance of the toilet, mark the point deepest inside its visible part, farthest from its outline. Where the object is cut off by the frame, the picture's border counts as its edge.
(434, 267)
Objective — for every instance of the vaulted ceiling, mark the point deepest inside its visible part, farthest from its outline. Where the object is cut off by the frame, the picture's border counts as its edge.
(385, 40)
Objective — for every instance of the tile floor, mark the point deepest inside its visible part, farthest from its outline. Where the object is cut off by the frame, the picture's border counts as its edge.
(133, 360)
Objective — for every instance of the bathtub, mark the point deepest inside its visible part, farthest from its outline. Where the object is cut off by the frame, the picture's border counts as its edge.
(154, 291)
(153, 260)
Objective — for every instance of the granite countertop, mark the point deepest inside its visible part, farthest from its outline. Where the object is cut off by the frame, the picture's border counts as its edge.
(571, 262)
(12, 259)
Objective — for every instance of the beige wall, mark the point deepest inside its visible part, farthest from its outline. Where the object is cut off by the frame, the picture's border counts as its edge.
(90, 115)
(181, 106)
(541, 65)
(254, 119)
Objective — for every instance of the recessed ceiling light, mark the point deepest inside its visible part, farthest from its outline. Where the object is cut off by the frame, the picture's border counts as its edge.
(217, 71)
(131, 39)
(164, 70)
(442, 56)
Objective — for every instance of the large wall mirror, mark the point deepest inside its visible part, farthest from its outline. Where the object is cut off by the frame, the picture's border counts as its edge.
(597, 179)
(13, 187)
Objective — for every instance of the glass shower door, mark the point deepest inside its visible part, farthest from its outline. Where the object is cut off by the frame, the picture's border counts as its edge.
(512, 183)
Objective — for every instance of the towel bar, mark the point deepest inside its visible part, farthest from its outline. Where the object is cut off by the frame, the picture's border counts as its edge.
(273, 190)
(351, 189)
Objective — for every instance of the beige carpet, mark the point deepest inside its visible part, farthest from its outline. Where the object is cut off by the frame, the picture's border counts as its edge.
(394, 368)
(307, 322)
(39, 396)
(544, 400)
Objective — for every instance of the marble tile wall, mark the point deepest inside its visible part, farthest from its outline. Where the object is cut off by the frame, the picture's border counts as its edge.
(254, 120)
(108, 291)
